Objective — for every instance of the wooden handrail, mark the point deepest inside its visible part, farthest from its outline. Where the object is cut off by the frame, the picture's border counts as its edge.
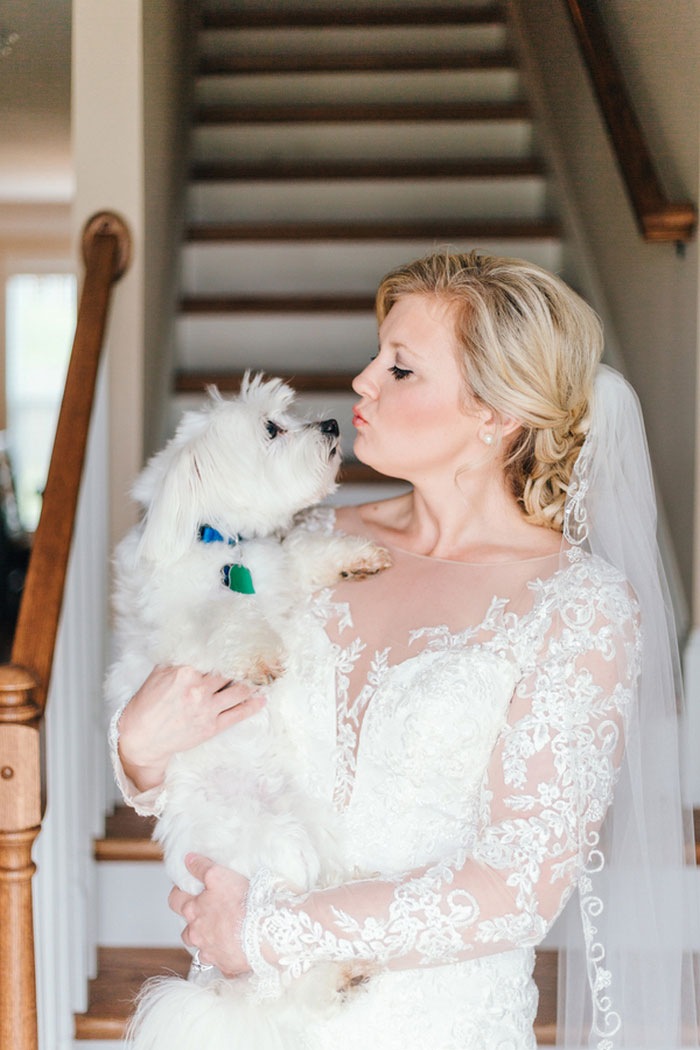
(25, 681)
(659, 219)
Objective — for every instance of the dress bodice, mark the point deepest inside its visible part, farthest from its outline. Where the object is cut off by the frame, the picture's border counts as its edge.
(421, 758)
(406, 680)
(468, 724)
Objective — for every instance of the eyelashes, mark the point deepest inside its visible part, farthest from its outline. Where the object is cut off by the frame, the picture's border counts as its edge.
(398, 373)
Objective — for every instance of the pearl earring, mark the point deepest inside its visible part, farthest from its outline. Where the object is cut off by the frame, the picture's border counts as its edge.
(487, 439)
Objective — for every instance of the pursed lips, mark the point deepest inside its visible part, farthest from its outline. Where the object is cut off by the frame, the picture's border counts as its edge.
(357, 419)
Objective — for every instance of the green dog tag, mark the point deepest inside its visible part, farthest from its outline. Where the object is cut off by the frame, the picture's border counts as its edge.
(238, 578)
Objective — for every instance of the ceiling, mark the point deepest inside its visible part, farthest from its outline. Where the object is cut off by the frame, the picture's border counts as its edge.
(35, 155)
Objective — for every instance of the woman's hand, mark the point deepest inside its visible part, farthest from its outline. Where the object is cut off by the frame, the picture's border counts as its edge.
(215, 915)
(175, 709)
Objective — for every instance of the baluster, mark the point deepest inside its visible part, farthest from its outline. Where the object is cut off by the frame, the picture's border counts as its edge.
(20, 822)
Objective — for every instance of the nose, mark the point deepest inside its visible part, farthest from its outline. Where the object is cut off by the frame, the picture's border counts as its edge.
(363, 383)
(330, 427)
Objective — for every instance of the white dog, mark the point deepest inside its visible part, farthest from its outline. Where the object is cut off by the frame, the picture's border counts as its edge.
(211, 578)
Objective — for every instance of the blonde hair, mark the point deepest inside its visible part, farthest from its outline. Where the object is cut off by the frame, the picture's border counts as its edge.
(528, 348)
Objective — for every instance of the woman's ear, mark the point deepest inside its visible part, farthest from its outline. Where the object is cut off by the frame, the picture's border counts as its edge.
(498, 423)
(509, 425)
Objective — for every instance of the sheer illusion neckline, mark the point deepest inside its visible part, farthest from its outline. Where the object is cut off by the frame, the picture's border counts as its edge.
(448, 561)
(472, 564)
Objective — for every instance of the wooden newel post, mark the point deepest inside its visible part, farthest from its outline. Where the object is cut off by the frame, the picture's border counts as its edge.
(20, 822)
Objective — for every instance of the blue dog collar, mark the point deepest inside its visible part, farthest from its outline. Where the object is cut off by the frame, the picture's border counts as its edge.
(208, 534)
(235, 577)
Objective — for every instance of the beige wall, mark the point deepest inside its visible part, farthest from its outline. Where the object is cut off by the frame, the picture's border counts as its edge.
(127, 143)
(646, 292)
(166, 30)
(107, 133)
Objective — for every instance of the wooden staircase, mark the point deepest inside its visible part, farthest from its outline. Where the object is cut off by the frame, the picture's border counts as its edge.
(329, 145)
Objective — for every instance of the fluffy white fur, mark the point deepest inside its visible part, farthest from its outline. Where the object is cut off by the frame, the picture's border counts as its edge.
(236, 798)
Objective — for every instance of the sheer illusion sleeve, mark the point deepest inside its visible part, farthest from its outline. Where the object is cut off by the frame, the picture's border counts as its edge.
(548, 783)
(147, 803)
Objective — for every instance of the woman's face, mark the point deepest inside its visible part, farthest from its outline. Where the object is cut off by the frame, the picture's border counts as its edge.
(411, 420)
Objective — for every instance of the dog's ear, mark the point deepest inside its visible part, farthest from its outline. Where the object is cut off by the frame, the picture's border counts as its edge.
(173, 514)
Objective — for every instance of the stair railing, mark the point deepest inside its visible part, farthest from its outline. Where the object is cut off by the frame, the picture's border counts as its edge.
(37, 649)
(659, 218)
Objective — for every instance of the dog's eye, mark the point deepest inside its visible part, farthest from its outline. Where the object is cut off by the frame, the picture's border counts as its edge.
(273, 429)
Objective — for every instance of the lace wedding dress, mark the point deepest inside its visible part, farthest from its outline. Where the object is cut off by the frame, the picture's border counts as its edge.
(467, 722)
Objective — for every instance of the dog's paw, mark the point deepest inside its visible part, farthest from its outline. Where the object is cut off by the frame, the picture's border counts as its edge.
(370, 561)
(353, 976)
(265, 670)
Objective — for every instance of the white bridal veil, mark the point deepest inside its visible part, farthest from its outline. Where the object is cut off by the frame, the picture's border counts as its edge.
(628, 929)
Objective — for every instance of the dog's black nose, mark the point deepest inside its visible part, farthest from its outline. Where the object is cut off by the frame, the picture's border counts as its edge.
(330, 427)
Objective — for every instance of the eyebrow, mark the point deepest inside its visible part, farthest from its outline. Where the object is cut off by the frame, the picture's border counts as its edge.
(401, 346)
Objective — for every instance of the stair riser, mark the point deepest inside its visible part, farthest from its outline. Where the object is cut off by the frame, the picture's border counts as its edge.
(343, 267)
(372, 40)
(521, 198)
(357, 5)
(133, 905)
(477, 85)
(280, 343)
(479, 140)
(135, 913)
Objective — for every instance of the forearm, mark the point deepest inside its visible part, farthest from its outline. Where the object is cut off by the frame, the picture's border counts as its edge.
(175, 709)
(143, 793)
(143, 777)
(441, 913)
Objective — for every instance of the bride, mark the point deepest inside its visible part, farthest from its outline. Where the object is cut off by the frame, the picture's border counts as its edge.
(494, 717)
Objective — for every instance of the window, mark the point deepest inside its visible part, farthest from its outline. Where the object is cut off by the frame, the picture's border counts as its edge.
(40, 310)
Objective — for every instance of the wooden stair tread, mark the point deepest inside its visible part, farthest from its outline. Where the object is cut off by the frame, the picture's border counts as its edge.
(274, 304)
(125, 822)
(285, 169)
(125, 826)
(359, 112)
(319, 16)
(355, 62)
(191, 382)
(122, 971)
(434, 229)
(127, 837)
(352, 472)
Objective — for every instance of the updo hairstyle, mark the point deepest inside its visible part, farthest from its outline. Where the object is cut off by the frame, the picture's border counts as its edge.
(528, 348)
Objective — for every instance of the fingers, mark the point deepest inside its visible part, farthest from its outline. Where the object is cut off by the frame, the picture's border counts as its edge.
(198, 865)
(218, 682)
(228, 694)
(177, 899)
(214, 915)
(250, 705)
